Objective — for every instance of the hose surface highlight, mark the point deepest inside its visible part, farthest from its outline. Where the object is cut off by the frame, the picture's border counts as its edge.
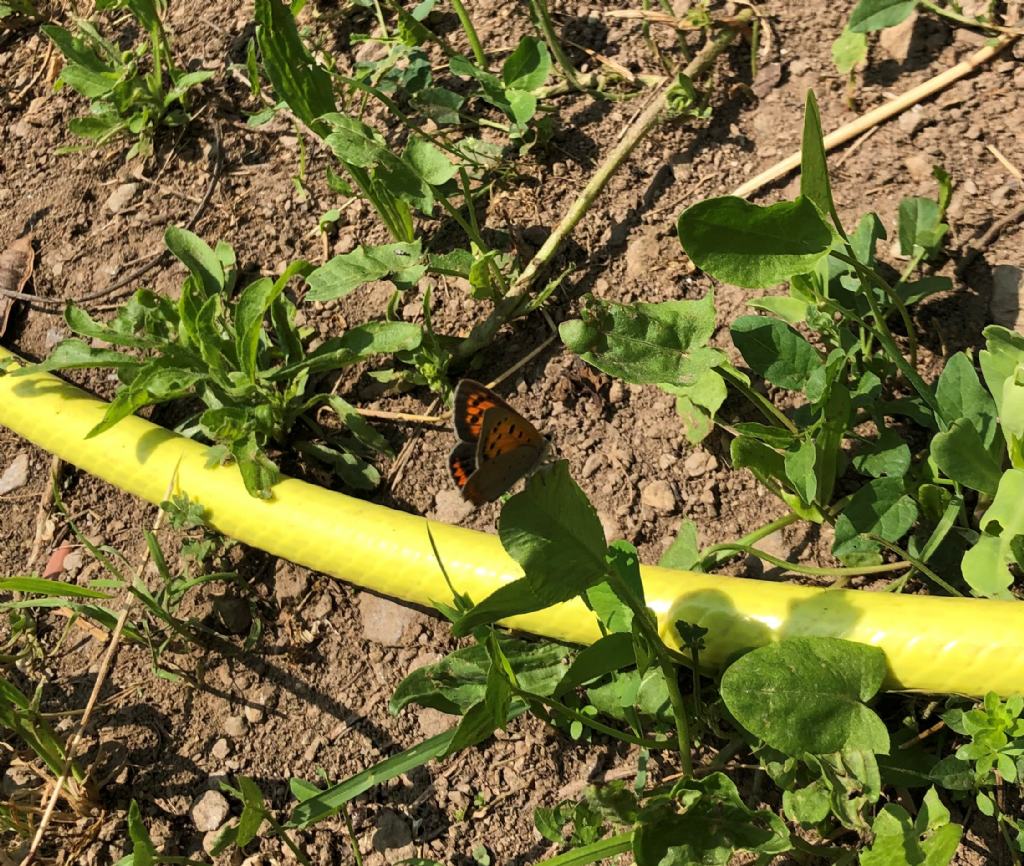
(932, 644)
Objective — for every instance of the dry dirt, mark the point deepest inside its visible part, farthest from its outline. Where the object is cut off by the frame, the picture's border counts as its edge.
(311, 695)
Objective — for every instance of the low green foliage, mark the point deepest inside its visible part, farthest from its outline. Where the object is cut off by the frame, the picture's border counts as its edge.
(125, 100)
(832, 341)
(254, 382)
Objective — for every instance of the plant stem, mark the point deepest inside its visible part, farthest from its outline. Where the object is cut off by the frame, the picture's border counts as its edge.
(811, 569)
(540, 13)
(470, 31)
(968, 22)
(768, 409)
(513, 302)
(916, 563)
(897, 302)
(709, 559)
(584, 719)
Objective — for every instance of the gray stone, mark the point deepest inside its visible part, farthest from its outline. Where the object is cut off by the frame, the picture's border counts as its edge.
(660, 496)
(122, 196)
(15, 475)
(235, 726)
(450, 507)
(209, 811)
(392, 831)
(896, 41)
(385, 622)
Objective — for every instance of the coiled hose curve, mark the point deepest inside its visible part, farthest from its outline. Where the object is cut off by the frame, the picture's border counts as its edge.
(932, 644)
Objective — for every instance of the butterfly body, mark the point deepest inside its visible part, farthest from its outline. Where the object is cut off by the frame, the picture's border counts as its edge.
(497, 446)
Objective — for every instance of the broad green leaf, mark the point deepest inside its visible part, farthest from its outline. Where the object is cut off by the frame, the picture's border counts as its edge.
(920, 226)
(297, 78)
(193, 252)
(528, 66)
(553, 532)
(84, 70)
(253, 811)
(75, 355)
(684, 552)
(799, 465)
(807, 805)
(252, 306)
(611, 653)
(428, 161)
(343, 274)
(373, 338)
(484, 718)
(752, 246)
(646, 343)
(775, 351)
(925, 287)
(715, 825)
(1004, 350)
(880, 507)
(358, 426)
(849, 50)
(886, 455)
(459, 680)
(961, 395)
(808, 694)
(962, 456)
(82, 323)
(986, 565)
(871, 15)
(814, 182)
(930, 840)
(154, 383)
(865, 237)
(522, 106)
(789, 309)
(697, 404)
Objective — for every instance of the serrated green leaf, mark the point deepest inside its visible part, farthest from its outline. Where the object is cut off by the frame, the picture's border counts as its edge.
(646, 343)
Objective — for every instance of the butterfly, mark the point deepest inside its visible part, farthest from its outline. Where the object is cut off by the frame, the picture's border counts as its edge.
(497, 446)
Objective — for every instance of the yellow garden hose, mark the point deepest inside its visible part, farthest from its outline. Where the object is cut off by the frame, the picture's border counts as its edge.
(932, 644)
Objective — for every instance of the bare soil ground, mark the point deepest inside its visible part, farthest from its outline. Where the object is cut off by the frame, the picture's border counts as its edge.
(311, 695)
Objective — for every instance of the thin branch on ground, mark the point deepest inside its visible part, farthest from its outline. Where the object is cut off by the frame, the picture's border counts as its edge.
(510, 305)
(879, 115)
(101, 678)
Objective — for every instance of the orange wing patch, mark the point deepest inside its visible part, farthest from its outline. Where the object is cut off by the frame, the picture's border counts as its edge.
(471, 402)
(505, 435)
(462, 463)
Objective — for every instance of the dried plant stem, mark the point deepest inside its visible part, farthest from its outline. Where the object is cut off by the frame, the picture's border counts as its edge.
(878, 115)
(518, 292)
(101, 678)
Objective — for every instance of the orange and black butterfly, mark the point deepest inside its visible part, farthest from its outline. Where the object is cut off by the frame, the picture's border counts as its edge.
(497, 446)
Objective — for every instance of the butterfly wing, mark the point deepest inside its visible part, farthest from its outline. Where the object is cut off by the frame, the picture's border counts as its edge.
(462, 464)
(470, 403)
(509, 448)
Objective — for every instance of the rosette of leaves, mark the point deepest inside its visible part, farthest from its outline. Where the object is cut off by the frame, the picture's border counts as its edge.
(124, 99)
(242, 360)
